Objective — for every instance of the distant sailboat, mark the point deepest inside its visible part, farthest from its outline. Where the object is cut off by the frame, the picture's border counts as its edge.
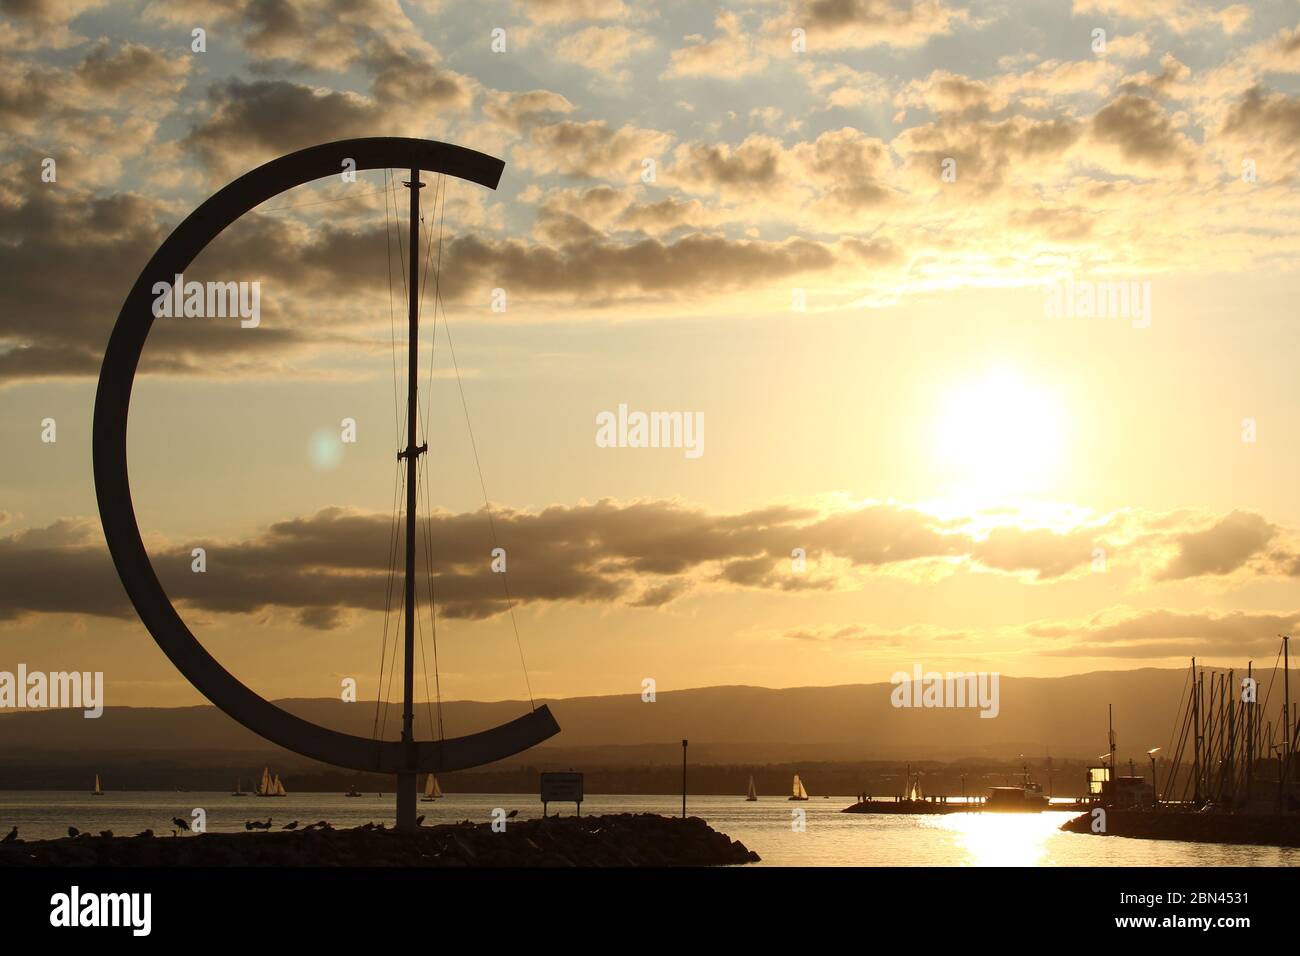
(753, 794)
(270, 785)
(98, 791)
(799, 792)
(914, 788)
(431, 790)
(239, 790)
(352, 792)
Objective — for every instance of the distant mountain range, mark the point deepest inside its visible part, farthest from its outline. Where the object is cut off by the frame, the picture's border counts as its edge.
(1062, 716)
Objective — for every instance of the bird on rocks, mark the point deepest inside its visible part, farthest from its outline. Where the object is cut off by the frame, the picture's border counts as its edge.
(13, 835)
(73, 832)
(181, 823)
(290, 826)
(419, 821)
(512, 814)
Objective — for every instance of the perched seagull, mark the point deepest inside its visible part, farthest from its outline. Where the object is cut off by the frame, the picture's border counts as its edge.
(73, 831)
(13, 835)
(290, 826)
(181, 822)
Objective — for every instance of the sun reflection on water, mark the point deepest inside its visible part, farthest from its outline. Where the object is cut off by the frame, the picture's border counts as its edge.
(1001, 839)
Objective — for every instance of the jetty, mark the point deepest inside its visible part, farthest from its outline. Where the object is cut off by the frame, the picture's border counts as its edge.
(624, 839)
(1194, 827)
(930, 806)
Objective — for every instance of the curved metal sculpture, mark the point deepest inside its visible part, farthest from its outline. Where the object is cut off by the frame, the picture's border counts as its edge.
(113, 491)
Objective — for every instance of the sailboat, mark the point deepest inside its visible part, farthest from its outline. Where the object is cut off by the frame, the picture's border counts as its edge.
(270, 785)
(431, 790)
(913, 788)
(753, 794)
(239, 790)
(98, 791)
(799, 792)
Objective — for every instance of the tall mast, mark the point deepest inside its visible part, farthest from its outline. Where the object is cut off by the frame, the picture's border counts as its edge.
(1196, 721)
(1250, 734)
(406, 783)
(1286, 705)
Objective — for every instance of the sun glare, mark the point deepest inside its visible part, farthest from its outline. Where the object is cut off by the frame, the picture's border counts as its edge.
(1000, 434)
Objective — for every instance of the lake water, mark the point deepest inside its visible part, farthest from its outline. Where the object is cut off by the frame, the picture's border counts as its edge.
(828, 838)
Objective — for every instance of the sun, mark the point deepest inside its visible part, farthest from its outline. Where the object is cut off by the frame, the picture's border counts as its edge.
(1000, 434)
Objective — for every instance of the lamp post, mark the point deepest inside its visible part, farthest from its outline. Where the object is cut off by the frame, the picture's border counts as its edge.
(1155, 792)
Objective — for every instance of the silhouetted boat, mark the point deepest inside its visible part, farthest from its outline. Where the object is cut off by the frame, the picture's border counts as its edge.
(431, 790)
(1026, 798)
(270, 785)
(753, 794)
(352, 792)
(98, 791)
(799, 792)
(239, 790)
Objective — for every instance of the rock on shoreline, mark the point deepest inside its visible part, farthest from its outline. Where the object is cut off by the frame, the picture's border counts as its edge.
(624, 839)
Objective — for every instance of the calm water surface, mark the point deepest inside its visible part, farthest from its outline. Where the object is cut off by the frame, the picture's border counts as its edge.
(830, 838)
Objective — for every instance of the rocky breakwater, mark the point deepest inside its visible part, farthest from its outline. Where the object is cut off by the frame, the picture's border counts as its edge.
(625, 839)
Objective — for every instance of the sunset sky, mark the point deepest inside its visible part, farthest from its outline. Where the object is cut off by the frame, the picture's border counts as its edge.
(977, 485)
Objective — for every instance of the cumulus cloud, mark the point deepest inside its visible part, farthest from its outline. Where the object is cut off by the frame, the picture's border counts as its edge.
(1222, 548)
(569, 11)
(1182, 16)
(591, 149)
(645, 553)
(604, 49)
(858, 24)
(1162, 632)
(731, 53)
(1266, 125)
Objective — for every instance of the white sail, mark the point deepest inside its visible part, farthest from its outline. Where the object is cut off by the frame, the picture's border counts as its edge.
(278, 787)
(753, 793)
(428, 786)
(437, 790)
(799, 792)
(914, 788)
(264, 787)
(98, 788)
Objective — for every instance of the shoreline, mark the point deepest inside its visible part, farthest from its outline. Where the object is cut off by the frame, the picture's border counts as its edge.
(624, 839)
